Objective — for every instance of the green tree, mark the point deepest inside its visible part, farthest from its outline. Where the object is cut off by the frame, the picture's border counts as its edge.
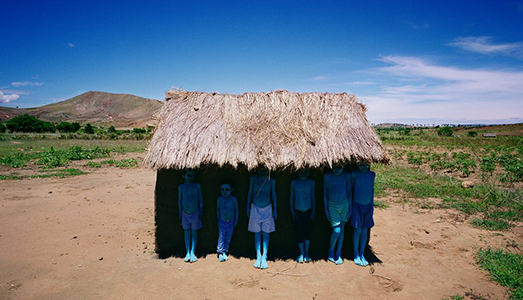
(445, 131)
(76, 126)
(111, 129)
(65, 127)
(472, 134)
(2, 128)
(27, 123)
(88, 128)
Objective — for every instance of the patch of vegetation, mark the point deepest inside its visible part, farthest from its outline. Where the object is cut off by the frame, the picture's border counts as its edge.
(455, 297)
(60, 173)
(123, 163)
(380, 204)
(27, 123)
(506, 268)
(496, 208)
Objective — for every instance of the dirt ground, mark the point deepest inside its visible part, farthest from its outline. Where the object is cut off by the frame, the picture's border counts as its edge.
(92, 237)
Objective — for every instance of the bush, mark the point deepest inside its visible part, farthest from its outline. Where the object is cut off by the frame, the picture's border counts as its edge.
(65, 127)
(472, 134)
(139, 130)
(2, 127)
(89, 128)
(111, 129)
(445, 131)
(27, 123)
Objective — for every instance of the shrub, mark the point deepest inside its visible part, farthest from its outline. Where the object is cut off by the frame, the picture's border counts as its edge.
(65, 127)
(111, 129)
(27, 123)
(88, 128)
(472, 134)
(445, 131)
(2, 128)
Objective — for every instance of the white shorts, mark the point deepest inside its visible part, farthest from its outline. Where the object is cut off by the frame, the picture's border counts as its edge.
(261, 219)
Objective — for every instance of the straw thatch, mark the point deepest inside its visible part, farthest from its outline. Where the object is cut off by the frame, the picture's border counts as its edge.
(277, 129)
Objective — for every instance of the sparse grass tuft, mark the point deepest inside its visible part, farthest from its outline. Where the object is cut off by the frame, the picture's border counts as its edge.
(506, 268)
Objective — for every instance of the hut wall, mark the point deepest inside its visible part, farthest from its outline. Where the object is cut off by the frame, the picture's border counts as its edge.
(283, 242)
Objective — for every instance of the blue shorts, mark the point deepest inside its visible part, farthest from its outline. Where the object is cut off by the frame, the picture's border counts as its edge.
(362, 215)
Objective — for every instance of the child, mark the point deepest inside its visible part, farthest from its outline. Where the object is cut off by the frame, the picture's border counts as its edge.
(337, 196)
(190, 204)
(303, 210)
(363, 209)
(227, 210)
(261, 210)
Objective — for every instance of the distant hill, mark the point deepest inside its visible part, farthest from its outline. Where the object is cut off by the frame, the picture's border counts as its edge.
(97, 108)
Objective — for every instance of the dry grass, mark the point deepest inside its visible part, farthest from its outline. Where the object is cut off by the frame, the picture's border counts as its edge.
(277, 129)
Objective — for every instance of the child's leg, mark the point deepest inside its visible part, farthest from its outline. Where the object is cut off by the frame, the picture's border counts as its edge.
(306, 256)
(300, 258)
(336, 230)
(220, 247)
(187, 237)
(363, 243)
(227, 242)
(266, 239)
(355, 245)
(339, 260)
(257, 246)
(194, 241)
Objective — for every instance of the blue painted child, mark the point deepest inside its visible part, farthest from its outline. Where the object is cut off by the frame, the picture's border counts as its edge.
(190, 203)
(303, 209)
(227, 212)
(362, 210)
(337, 197)
(261, 210)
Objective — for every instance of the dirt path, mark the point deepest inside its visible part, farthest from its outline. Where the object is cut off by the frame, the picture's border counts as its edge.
(92, 236)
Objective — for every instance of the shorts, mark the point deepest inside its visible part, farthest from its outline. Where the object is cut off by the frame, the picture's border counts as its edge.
(362, 215)
(191, 221)
(339, 212)
(261, 219)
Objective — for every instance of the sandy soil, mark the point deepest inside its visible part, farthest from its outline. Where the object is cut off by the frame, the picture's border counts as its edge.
(92, 237)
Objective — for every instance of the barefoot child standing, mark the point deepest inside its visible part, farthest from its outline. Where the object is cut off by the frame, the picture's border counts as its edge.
(190, 204)
(227, 212)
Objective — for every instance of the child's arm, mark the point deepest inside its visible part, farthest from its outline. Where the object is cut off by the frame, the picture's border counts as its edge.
(326, 196)
(200, 201)
(249, 196)
(180, 203)
(348, 185)
(218, 209)
(313, 199)
(235, 212)
(273, 198)
(293, 213)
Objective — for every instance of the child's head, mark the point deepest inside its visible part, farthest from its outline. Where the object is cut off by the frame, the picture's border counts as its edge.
(303, 173)
(226, 189)
(263, 171)
(190, 175)
(337, 169)
(363, 167)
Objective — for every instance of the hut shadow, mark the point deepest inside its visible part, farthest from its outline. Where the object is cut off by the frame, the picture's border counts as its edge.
(169, 235)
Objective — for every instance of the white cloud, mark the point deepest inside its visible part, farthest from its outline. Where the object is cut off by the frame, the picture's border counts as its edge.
(484, 45)
(443, 92)
(8, 98)
(27, 83)
(71, 45)
(362, 83)
(319, 78)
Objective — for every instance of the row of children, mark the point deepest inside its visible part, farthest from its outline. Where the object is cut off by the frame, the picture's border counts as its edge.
(347, 196)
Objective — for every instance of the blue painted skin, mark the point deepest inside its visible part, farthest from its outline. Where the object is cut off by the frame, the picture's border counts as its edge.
(336, 188)
(227, 210)
(303, 199)
(261, 194)
(359, 237)
(190, 199)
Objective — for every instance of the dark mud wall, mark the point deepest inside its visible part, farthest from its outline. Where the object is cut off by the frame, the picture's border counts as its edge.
(283, 243)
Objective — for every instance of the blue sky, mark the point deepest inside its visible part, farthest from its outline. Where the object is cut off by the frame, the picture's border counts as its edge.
(411, 61)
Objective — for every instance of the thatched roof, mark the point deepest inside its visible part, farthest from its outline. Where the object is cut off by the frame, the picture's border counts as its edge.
(277, 129)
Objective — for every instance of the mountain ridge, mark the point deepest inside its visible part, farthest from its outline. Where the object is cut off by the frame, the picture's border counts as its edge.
(95, 107)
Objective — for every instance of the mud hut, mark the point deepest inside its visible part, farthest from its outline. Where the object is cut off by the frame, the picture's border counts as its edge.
(226, 136)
